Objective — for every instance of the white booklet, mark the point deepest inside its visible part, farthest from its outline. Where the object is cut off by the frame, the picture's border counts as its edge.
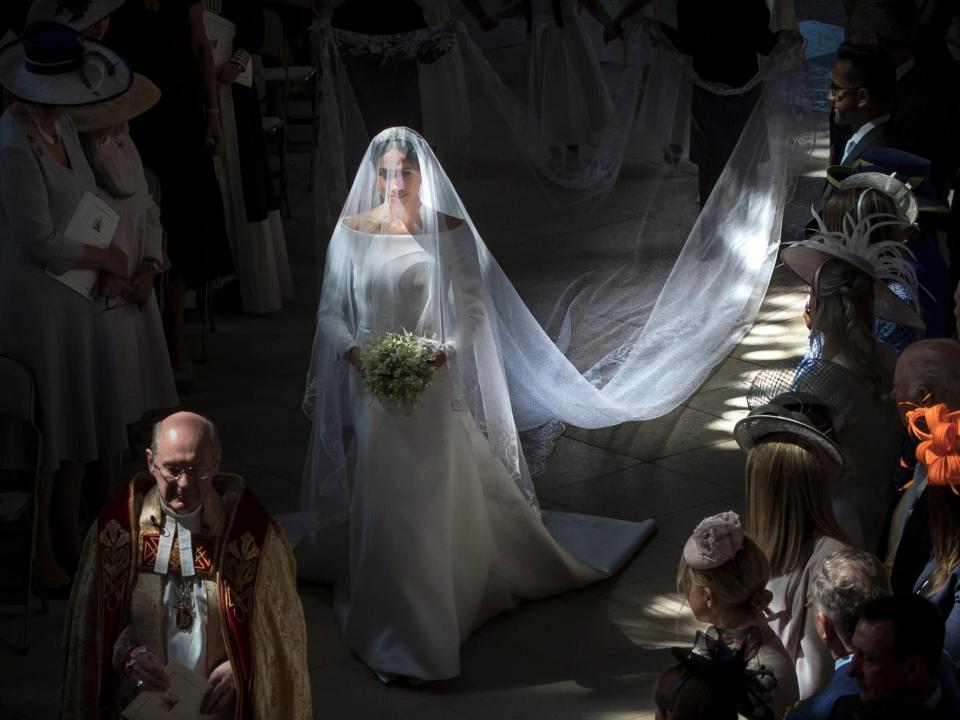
(220, 33)
(181, 702)
(93, 223)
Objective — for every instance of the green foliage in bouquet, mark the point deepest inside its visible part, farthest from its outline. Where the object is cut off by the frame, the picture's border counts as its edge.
(397, 368)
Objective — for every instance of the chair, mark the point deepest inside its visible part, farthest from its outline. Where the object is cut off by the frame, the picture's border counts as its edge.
(20, 452)
(298, 88)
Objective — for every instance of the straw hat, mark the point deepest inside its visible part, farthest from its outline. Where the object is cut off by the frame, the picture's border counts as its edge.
(52, 64)
(807, 256)
(78, 14)
(141, 96)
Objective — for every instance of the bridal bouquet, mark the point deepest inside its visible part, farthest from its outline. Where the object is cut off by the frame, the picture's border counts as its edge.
(397, 368)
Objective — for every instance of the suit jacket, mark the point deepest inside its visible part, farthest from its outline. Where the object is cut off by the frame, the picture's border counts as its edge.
(820, 705)
(913, 552)
(879, 136)
(923, 117)
(847, 707)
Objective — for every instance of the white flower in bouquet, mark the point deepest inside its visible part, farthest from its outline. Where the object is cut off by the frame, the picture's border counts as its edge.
(397, 368)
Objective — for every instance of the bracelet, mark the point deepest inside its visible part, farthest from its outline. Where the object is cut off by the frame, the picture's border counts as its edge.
(213, 111)
(153, 264)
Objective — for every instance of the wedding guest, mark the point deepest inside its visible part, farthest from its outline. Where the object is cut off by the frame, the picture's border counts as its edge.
(790, 466)
(862, 85)
(877, 214)
(848, 277)
(928, 373)
(924, 108)
(938, 429)
(565, 88)
(724, 39)
(165, 40)
(252, 207)
(897, 649)
(715, 681)
(844, 581)
(131, 321)
(723, 575)
(907, 214)
(48, 326)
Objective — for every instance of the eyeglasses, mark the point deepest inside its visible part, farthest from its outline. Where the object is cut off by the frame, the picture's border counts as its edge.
(175, 472)
(834, 91)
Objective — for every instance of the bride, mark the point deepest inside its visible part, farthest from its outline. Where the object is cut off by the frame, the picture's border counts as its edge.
(425, 518)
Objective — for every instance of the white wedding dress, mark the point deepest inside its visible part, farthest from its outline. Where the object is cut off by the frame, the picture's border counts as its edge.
(441, 538)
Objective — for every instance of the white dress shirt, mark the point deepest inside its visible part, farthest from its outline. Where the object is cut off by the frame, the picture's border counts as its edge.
(860, 134)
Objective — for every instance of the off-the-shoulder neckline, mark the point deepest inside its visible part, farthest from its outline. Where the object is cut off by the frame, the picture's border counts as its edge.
(460, 223)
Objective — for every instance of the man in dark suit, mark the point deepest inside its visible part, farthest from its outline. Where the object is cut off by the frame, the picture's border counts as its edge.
(897, 653)
(862, 85)
(927, 373)
(925, 102)
(846, 580)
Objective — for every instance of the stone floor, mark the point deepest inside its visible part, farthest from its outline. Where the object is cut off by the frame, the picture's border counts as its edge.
(588, 654)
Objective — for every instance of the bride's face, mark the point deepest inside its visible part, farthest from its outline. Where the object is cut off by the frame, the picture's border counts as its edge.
(397, 180)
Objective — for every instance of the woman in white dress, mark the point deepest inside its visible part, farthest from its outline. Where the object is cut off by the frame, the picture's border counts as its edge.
(565, 86)
(444, 528)
(131, 323)
(790, 465)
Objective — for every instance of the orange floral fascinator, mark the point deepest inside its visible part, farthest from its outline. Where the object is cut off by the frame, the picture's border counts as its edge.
(938, 430)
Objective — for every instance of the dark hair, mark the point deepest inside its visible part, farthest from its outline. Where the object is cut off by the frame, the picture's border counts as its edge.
(917, 626)
(872, 69)
(104, 180)
(688, 697)
(385, 145)
(893, 22)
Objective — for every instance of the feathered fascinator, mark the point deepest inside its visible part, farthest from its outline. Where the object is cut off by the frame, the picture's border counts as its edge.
(727, 663)
(938, 431)
(714, 541)
(886, 261)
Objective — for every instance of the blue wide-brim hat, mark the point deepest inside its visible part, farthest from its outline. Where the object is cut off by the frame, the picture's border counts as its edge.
(912, 170)
(53, 64)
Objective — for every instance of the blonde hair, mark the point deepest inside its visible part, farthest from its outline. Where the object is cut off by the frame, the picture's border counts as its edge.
(739, 583)
(788, 502)
(843, 316)
(848, 206)
(944, 506)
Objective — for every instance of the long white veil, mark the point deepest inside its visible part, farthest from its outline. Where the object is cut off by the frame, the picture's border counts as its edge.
(656, 297)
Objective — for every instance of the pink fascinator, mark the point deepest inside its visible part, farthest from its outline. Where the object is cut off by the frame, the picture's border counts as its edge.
(714, 541)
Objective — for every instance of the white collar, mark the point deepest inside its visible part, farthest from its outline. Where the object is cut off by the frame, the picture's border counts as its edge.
(840, 662)
(182, 526)
(931, 702)
(905, 67)
(861, 133)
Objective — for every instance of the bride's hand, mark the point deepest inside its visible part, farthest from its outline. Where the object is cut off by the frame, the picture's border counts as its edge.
(439, 358)
(355, 357)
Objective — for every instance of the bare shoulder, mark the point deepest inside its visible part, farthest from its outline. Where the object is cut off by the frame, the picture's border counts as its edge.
(365, 223)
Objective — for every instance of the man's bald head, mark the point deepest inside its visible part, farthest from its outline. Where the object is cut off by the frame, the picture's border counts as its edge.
(928, 372)
(185, 420)
(184, 457)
